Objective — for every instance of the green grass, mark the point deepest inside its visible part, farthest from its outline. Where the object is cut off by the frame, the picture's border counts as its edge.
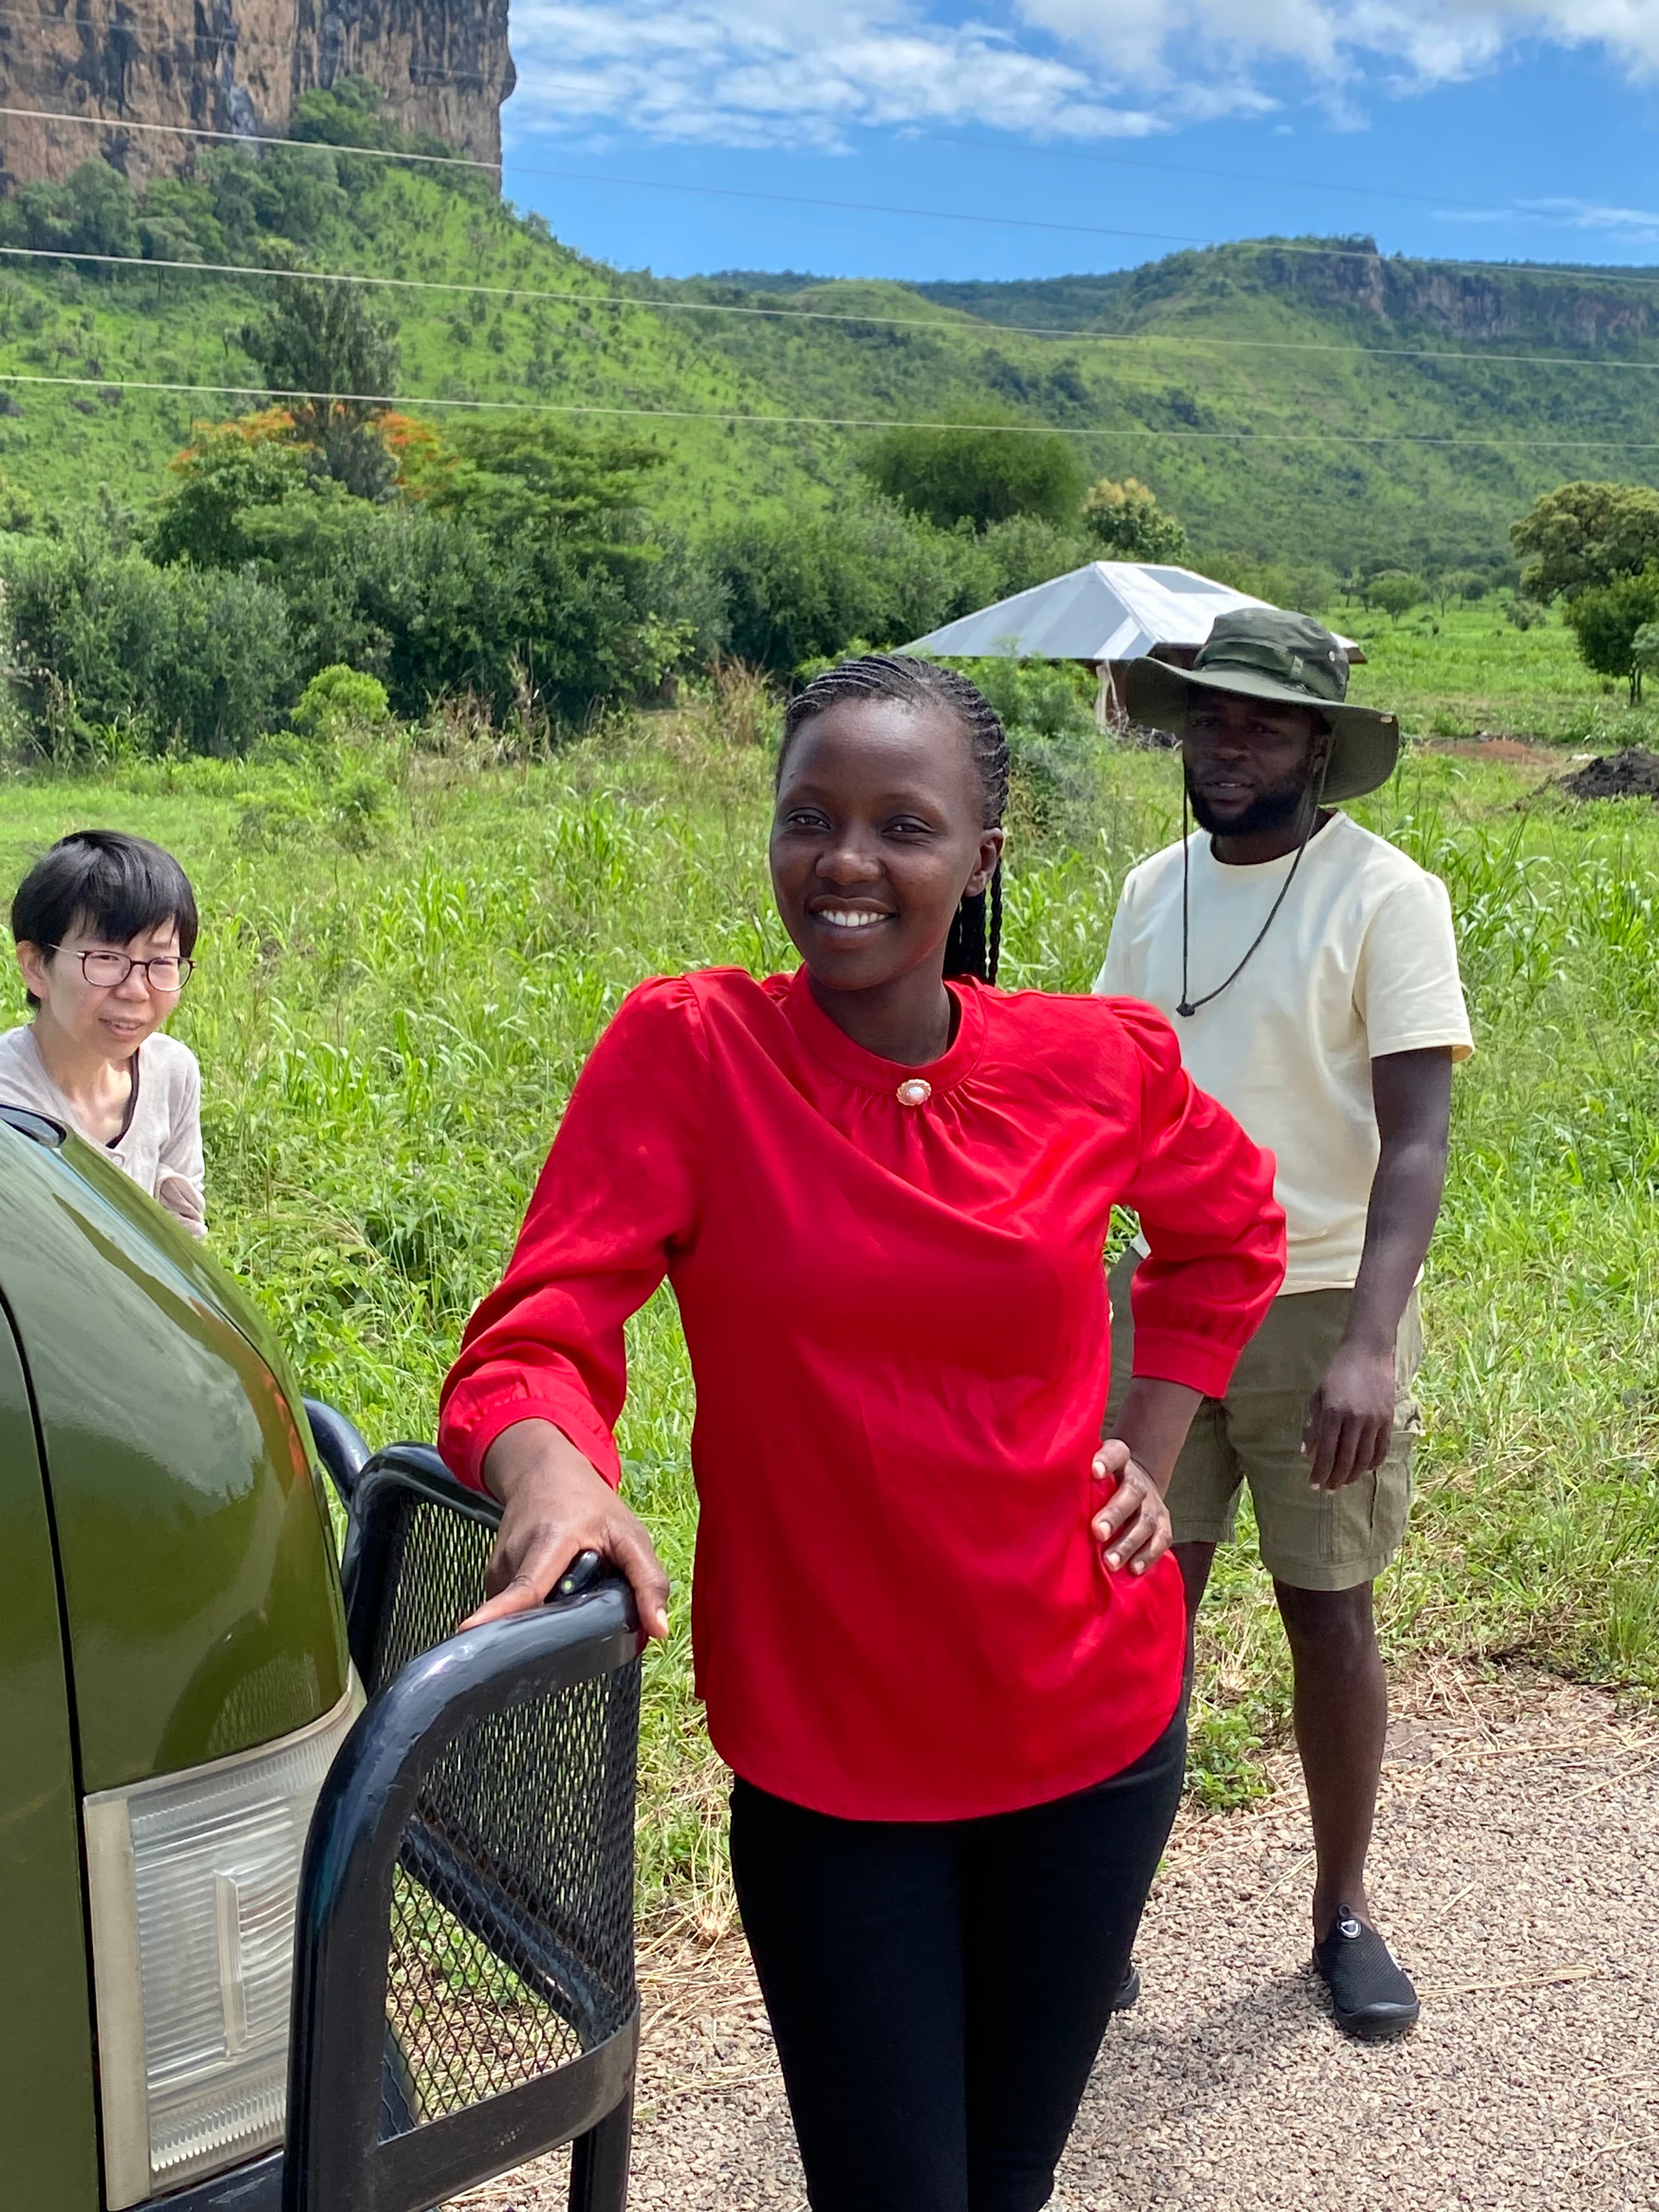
(387, 1040)
(1470, 670)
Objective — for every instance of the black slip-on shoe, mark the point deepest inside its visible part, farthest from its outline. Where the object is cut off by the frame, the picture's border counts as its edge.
(1128, 1989)
(1371, 1995)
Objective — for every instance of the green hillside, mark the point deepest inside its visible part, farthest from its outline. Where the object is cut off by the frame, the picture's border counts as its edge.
(169, 325)
(1160, 370)
(1267, 392)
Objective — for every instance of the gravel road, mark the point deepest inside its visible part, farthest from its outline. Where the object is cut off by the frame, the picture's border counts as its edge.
(1516, 1873)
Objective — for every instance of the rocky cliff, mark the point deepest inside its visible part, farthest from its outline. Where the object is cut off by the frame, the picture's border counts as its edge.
(237, 66)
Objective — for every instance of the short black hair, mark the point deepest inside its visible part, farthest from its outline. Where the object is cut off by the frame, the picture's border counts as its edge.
(118, 885)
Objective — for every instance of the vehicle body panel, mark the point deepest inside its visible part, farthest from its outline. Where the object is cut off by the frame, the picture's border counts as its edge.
(198, 1576)
(48, 2107)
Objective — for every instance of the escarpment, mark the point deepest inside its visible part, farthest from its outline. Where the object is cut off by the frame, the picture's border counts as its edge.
(109, 69)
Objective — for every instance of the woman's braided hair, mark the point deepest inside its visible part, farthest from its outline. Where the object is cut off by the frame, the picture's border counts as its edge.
(976, 936)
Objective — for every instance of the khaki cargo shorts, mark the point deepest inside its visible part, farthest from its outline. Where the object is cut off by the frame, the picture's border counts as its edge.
(1324, 1539)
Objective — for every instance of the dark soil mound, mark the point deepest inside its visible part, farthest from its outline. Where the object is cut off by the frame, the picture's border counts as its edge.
(1633, 774)
(1618, 775)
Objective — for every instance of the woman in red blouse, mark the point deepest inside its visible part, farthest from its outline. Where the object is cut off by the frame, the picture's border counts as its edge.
(937, 1630)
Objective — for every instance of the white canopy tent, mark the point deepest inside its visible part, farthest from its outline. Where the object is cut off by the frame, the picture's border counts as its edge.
(1105, 614)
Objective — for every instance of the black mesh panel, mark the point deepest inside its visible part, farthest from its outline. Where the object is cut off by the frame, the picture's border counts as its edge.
(512, 1913)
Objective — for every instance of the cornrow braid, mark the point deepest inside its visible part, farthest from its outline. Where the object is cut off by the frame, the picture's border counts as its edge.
(975, 938)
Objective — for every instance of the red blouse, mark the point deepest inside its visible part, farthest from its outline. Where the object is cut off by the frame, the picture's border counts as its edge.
(898, 1325)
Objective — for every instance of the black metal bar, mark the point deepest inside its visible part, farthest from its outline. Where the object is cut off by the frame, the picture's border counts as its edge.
(373, 1545)
(415, 2172)
(342, 1450)
(336, 2162)
(599, 2159)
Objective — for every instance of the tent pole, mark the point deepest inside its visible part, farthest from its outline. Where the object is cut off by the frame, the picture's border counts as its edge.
(1109, 718)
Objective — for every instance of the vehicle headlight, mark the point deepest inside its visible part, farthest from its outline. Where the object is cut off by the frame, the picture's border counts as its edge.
(193, 1880)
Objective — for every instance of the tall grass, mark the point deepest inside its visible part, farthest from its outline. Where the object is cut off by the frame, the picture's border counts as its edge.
(387, 1038)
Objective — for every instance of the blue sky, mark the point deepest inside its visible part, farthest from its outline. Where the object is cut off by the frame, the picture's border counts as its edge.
(1441, 127)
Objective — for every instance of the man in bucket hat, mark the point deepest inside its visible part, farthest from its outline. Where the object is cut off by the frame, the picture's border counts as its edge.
(1311, 973)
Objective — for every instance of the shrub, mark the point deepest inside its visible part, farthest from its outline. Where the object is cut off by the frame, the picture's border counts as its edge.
(977, 474)
(341, 701)
(1054, 747)
(1396, 591)
(799, 585)
(1606, 619)
(1126, 523)
(1026, 550)
(1308, 586)
(203, 661)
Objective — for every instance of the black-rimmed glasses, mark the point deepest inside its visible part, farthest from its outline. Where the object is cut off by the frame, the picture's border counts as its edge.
(167, 974)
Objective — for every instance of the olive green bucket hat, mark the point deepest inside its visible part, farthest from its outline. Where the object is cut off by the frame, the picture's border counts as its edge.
(1264, 653)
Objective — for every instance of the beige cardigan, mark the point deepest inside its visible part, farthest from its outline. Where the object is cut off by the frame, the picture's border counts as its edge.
(160, 1147)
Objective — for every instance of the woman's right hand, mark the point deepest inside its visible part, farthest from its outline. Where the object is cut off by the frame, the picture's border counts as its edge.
(557, 1504)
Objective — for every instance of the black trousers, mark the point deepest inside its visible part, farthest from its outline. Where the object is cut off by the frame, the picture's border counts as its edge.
(938, 1989)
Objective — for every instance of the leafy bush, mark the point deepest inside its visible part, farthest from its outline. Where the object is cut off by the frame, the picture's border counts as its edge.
(200, 660)
(1606, 619)
(526, 570)
(1396, 591)
(227, 472)
(92, 211)
(798, 586)
(341, 701)
(978, 475)
(1026, 550)
(1126, 523)
(1054, 747)
(1308, 586)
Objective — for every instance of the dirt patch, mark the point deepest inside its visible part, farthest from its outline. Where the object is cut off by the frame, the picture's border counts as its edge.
(1516, 1862)
(1487, 745)
(1632, 774)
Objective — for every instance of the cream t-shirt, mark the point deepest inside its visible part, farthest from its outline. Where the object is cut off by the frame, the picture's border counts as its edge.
(1360, 961)
(160, 1147)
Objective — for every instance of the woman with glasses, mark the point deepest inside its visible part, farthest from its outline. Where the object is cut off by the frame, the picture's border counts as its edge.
(105, 925)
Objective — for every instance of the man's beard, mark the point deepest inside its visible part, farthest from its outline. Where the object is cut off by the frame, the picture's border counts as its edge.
(1271, 810)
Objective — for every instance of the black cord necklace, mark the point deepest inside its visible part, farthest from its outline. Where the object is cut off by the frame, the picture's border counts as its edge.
(1188, 1006)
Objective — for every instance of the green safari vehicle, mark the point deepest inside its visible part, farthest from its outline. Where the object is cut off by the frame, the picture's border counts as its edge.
(306, 1902)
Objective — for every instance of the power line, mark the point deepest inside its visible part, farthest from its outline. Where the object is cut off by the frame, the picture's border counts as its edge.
(241, 39)
(1552, 272)
(247, 138)
(648, 301)
(406, 401)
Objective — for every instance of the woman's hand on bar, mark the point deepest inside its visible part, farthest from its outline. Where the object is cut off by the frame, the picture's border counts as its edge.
(557, 1504)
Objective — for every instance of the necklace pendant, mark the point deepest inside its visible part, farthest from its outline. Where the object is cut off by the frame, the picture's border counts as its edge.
(1185, 1011)
(913, 1091)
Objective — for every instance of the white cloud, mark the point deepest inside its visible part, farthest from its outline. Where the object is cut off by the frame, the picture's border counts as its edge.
(811, 72)
(1630, 226)
(743, 72)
